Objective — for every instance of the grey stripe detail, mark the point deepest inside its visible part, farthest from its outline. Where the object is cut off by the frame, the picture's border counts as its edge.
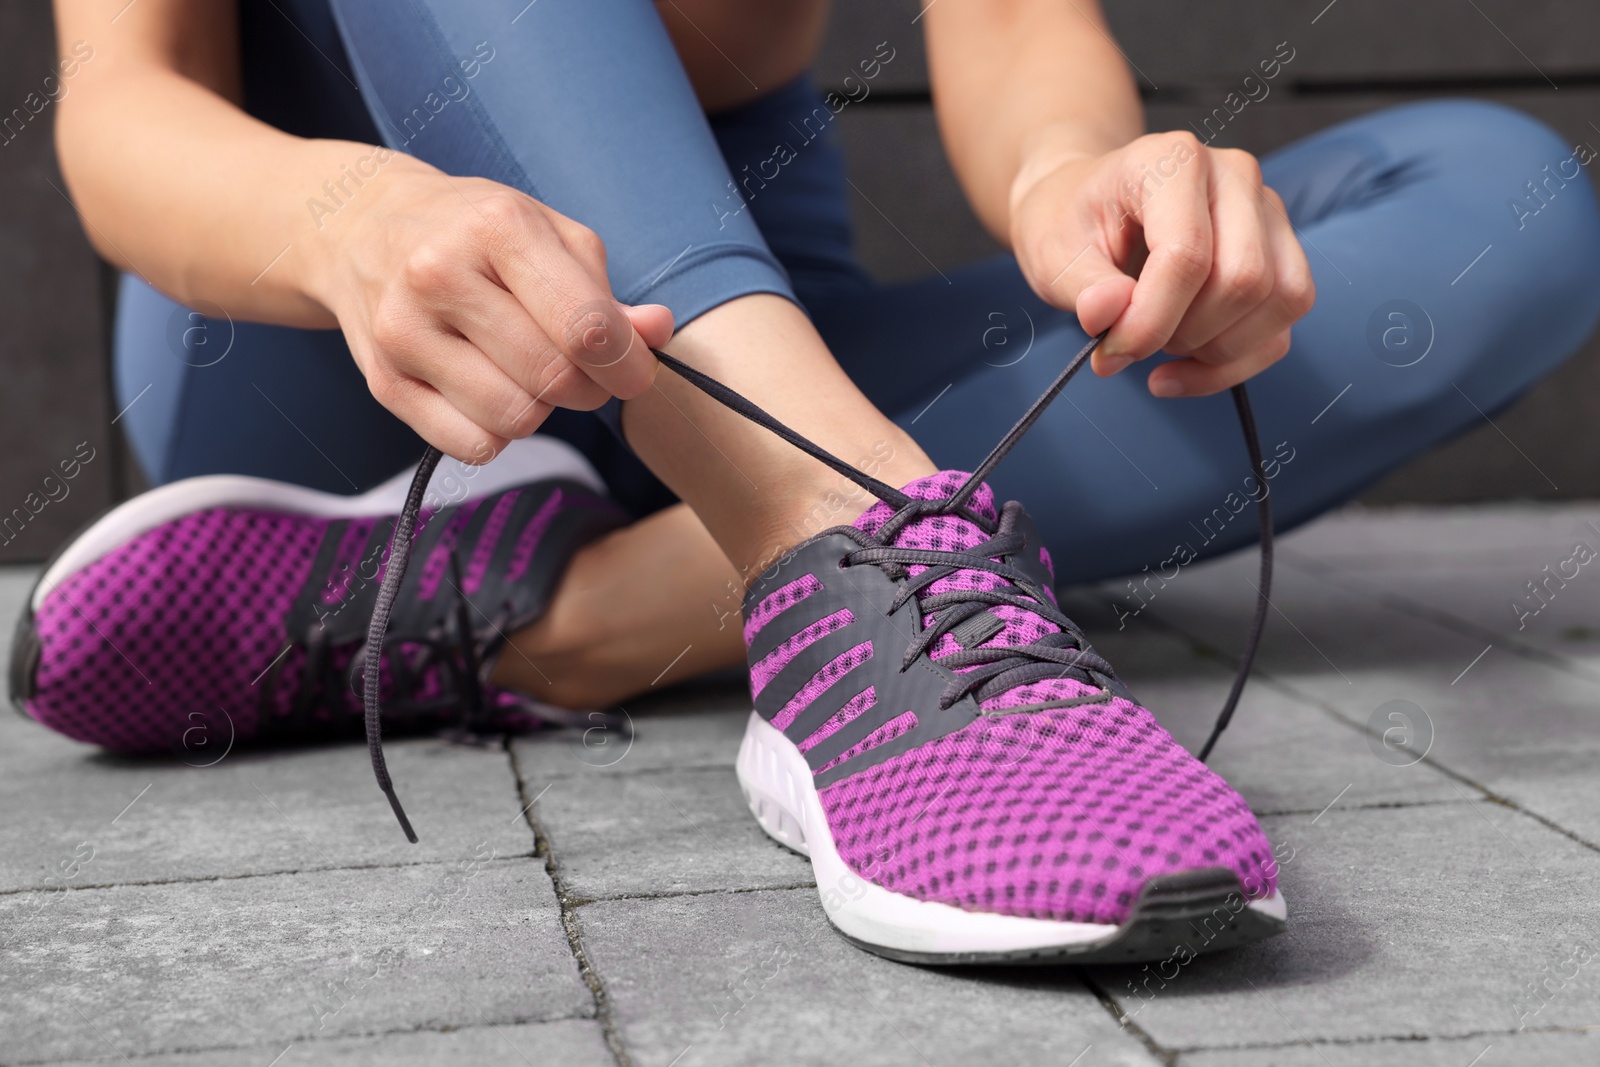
(835, 697)
(867, 592)
(805, 665)
(787, 623)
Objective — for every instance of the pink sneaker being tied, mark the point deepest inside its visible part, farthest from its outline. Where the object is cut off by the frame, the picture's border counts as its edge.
(972, 782)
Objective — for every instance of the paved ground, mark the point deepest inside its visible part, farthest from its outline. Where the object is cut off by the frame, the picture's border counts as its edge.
(265, 910)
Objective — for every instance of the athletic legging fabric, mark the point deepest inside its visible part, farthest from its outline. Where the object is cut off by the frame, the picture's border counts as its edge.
(1440, 300)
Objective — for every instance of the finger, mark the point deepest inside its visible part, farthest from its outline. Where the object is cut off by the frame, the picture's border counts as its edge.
(472, 383)
(1191, 377)
(1256, 342)
(494, 322)
(436, 420)
(1177, 231)
(1242, 270)
(584, 244)
(576, 311)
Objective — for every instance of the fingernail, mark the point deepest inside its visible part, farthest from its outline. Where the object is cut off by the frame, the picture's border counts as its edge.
(1114, 364)
(1167, 387)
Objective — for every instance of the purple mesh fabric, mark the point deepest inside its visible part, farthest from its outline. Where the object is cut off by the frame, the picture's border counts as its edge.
(900, 724)
(831, 672)
(478, 566)
(528, 539)
(774, 661)
(852, 710)
(777, 602)
(437, 565)
(1058, 815)
(347, 571)
(180, 619)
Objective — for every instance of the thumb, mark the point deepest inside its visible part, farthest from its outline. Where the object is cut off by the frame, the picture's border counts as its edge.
(1099, 293)
(1102, 303)
(652, 322)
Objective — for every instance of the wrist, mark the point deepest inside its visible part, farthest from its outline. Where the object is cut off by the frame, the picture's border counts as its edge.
(1052, 147)
(346, 212)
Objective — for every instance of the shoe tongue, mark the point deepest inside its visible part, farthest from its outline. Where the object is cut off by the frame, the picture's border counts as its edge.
(946, 532)
(952, 533)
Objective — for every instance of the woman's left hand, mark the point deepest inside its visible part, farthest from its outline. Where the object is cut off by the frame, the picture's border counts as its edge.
(1176, 247)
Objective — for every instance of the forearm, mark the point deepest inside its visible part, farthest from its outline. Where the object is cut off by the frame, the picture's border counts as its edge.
(180, 186)
(1024, 83)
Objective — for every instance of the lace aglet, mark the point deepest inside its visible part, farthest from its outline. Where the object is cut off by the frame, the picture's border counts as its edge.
(400, 813)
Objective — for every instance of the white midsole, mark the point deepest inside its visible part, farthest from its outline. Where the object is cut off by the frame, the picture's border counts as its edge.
(777, 782)
(526, 460)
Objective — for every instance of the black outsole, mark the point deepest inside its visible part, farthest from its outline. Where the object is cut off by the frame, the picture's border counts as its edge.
(1176, 916)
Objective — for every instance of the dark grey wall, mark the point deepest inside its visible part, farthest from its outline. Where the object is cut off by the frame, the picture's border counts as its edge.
(1351, 56)
(54, 401)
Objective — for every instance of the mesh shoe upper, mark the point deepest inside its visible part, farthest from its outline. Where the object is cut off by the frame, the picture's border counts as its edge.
(258, 616)
(1055, 798)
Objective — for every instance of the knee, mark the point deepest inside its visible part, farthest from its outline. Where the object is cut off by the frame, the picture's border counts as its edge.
(1545, 216)
(1531, 172)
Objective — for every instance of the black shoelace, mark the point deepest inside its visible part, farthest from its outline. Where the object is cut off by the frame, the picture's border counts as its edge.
(985, 672)
(452, 646)
(995, 670)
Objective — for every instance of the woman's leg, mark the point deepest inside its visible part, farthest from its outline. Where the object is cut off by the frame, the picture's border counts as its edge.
(587, 108)
(1405, 348)
(202, 395)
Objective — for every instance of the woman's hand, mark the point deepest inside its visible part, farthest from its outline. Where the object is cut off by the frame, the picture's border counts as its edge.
(1175, 246)
(473, 309)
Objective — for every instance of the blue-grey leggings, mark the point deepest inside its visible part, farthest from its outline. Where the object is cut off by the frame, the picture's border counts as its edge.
(1439, 299)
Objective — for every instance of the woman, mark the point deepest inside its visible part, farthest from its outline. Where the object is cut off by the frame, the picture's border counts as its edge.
(357, 224)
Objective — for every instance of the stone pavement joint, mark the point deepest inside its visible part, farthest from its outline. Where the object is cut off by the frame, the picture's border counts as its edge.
(569, 918)
(1165, 1056)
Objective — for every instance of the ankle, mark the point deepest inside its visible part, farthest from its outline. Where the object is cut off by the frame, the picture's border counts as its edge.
(757, 493)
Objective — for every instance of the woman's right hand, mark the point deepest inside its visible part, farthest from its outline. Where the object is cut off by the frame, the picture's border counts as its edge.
(473, 309)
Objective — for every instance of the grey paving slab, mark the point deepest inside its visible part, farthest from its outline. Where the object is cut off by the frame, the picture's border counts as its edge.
(1561, 619)
(303, 809)
(909, 215)
(742, 978)
(1422, 539)
(1426, 921)
(15, 582)
(1501, 719)
(692, 727)
(102, 973)
(652, 833)
(1525, 729)
(1520, 1050)
(855, 32)
(566, 1042)
(1282, 753)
